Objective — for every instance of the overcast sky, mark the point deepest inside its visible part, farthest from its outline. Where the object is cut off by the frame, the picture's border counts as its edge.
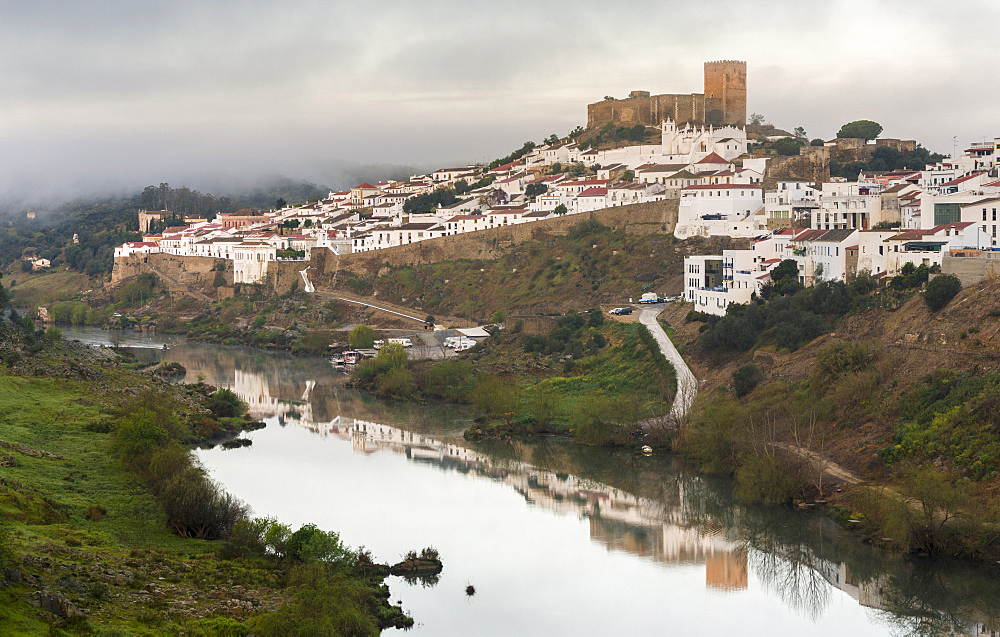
(116, 95)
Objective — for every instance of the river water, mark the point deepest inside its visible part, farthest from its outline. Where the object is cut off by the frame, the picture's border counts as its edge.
(556, 539)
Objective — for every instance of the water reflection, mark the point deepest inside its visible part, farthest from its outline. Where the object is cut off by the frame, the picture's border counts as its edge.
(651, 508)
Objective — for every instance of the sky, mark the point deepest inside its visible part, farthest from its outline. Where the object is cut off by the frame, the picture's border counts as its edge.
(107, 96)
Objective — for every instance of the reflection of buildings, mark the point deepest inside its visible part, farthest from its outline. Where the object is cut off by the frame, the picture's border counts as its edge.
(658, 528)
(618, 519)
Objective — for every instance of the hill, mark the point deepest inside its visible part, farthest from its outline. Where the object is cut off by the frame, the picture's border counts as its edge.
(904, 398)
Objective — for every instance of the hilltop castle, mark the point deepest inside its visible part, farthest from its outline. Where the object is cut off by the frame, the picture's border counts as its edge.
(723, 102)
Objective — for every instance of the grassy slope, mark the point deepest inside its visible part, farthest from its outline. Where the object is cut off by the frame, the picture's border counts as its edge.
(915, 341)
(627, 371)
(581, 270)
(49, 286)
(124, 569)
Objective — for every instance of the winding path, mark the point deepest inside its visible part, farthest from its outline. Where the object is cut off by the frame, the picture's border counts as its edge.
(687, 384)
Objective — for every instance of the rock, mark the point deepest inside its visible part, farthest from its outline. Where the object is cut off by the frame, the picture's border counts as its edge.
(57, 605)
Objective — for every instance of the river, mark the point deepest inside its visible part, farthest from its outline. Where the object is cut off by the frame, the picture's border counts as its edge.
(556, 539)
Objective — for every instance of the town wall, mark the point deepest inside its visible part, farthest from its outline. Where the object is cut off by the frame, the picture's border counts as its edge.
(197, 272)
(644, 218)
(970, 270)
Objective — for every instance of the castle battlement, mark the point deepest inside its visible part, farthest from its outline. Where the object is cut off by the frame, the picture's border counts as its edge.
(723, 102)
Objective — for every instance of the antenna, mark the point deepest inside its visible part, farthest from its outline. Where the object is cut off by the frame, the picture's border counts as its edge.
(954, 145)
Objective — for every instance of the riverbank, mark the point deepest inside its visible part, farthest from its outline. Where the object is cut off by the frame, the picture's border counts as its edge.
(589, 379)
(100, 531)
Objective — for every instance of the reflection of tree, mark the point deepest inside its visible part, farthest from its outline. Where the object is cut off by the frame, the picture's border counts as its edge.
(426, 581)
(792, 576)
(797, 556)
(941, 597)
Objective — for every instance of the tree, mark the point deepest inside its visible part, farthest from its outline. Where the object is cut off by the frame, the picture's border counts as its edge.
(746, 378)
(862, 128)
(787, 268)
(280, 203)
(533, 190)
(788, 146)
(561, 209)
(817, 142)
(941, 290)
(756, 119)
(499, 316)
(394, 354)
(628, 175)
(800, 132)
(551, 139)
(361, 337)
(429, 320)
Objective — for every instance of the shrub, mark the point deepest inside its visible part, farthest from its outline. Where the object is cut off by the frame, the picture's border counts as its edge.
(223, 403)
(394, 354)
(941, 290)
(310, 544)
(496, 397)
(746, 378)
(95, 513)
(398, 383)
(761, 479)
(53, 334)
(197, 508)
(137, 434)
(246, 539)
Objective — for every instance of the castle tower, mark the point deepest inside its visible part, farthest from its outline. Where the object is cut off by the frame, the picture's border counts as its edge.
(726, 92)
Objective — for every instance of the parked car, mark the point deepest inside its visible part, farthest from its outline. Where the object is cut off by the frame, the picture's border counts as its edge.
(621, 310)
(378, 344)
(650, 297)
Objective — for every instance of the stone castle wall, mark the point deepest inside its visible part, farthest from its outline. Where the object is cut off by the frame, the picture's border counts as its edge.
(724, 101)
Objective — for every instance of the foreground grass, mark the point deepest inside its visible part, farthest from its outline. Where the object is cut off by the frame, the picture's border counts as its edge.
(85, 546)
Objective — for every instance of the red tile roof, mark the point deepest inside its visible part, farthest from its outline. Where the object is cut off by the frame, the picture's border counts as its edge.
(714, 158)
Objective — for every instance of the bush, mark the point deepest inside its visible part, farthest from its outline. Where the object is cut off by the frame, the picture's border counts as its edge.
(53, 334)
(310, 544)
(223, 403)
(761, 479)
(137, 434)
(746, 378)
(941, 290)
(397, 384)
(451, 379)
(197, 508)
(496, 397)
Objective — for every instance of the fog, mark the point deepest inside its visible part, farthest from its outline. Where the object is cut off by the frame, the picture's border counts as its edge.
(111, 97)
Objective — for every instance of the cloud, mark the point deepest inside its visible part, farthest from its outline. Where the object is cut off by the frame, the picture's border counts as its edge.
(121, 94)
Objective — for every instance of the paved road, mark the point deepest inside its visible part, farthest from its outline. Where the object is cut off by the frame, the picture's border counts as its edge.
(687, 384)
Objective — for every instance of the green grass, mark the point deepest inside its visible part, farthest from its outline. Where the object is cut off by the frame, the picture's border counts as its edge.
(47, 287)
(46, 414)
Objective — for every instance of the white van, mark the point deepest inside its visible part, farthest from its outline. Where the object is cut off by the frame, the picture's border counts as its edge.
(405, 342)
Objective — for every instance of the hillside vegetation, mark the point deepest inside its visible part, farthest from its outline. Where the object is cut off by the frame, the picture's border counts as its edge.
(904, 397)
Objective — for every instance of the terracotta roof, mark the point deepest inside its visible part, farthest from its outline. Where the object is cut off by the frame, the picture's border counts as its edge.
(714, 158)
(594, 192)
